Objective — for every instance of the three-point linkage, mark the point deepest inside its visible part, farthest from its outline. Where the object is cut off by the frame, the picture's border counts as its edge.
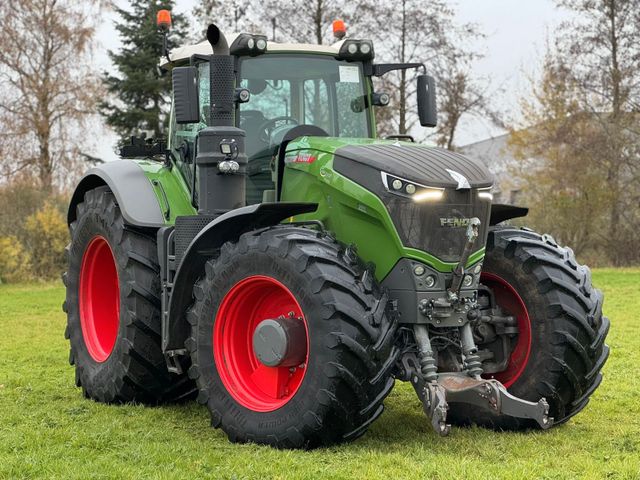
(437, 390)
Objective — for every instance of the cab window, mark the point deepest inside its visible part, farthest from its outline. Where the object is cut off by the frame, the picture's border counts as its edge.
(289, 90)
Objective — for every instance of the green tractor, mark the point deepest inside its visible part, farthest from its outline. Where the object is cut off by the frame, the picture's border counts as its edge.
(283, 265)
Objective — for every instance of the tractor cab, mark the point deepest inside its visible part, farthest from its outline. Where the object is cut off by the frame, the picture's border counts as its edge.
(278, 88)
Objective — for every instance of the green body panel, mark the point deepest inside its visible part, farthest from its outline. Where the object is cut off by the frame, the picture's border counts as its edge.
(172, 192)
(354, 214)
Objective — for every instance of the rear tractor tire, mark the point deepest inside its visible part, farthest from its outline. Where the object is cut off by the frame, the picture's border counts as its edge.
(113, 308)
(559, 351)
(334, 371)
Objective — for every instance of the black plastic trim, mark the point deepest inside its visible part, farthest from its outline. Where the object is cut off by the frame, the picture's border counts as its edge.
(295, 132)
(501, 212)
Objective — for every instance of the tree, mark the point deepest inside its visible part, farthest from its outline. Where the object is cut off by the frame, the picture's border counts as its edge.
(47, 235)
(229, 16)
(308, 21)
(553, 151)
(460, 93)
(47, 88)
(602, 44)
(426, 32)
(139, 92)
(597, 54)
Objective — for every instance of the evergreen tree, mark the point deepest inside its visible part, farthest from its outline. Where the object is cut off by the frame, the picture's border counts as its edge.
(138, 93)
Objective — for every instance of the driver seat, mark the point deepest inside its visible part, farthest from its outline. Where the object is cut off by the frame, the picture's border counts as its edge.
(250, 121)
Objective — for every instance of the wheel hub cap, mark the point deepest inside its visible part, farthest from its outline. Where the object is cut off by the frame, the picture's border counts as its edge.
(280, 342)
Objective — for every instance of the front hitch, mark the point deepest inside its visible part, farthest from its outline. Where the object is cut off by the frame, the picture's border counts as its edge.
(436, 390)
(488, 394)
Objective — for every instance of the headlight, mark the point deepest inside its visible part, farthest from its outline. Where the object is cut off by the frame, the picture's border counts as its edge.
(485, 194)
(412, 190)
(428, 195)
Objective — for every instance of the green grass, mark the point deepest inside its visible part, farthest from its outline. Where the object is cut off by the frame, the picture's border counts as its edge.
(47, 430)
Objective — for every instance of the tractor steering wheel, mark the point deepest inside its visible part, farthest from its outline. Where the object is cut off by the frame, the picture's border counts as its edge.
(266, 128)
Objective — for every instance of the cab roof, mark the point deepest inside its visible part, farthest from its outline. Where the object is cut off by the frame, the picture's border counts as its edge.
(204, 48)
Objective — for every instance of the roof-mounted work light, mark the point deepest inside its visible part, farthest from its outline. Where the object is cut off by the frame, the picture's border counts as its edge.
(352, 50)
(247, 44)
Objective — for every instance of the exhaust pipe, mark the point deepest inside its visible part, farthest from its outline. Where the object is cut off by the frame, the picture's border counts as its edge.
(222, 79)
(221, 157)
(217, 40)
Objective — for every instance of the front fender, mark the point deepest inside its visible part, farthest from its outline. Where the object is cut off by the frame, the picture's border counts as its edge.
(227, 227)
(501, 212)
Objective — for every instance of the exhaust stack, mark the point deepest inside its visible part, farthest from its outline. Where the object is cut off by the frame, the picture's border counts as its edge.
(221, 155)
(222, 79)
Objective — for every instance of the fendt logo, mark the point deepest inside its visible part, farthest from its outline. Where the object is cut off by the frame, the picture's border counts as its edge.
(451, 222)
(458, 177)
(300, 158)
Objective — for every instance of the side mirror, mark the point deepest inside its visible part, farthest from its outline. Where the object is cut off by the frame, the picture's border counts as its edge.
(427, 108)
(185, 94)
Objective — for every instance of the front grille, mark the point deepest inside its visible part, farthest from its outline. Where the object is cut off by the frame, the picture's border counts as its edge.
(438, 228)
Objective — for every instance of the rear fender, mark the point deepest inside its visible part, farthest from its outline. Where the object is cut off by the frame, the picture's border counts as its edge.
(131, 187)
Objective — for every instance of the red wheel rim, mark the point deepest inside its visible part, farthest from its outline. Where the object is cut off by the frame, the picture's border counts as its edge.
(252, 384)
(508, 299)
(99, 299)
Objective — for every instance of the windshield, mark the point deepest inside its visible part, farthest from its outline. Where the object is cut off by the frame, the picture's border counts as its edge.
(312, 89)
(289, 90)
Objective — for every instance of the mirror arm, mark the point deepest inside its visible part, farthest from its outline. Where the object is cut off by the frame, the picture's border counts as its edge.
(382, 68)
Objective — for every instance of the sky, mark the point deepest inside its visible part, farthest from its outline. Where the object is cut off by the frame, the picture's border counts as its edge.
(516, 33)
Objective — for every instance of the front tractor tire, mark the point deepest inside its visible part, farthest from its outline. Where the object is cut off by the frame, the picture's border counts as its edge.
(560, 348)
(113, 308)
(329, 378)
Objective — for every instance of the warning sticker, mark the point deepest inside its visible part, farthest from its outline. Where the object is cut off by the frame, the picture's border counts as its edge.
(349, 74)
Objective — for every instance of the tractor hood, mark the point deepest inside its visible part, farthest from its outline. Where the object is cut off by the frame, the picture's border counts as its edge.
(430, 166)
(434, 167)
(430, 193)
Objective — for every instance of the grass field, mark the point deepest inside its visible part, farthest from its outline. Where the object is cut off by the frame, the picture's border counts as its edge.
(47, 430)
